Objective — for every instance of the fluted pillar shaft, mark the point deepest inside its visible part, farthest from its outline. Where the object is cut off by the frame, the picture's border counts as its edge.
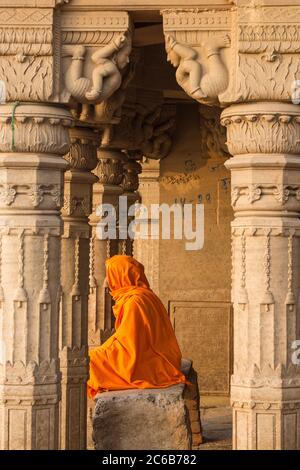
(78, 185)
(265, 390)
(130, 184)
(33, 140)
(106, 191)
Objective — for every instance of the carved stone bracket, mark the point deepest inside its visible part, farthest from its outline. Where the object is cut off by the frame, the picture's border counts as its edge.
(66, 55)
(107, 113)
(95, 51)
(145, 128)
(245, 52)
(195, 43)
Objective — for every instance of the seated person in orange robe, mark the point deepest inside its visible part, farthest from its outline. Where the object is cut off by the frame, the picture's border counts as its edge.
(143, 352)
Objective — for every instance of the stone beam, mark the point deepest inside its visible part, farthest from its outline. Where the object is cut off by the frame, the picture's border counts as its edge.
(151, 5)
(148, 35)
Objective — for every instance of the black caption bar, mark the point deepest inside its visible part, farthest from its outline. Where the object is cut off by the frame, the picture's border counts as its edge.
(142, 459)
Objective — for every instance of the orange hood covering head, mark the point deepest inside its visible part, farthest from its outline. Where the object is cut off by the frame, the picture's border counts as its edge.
(143, 352)
(124, 272)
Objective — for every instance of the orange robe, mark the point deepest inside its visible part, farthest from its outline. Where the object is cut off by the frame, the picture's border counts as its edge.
(143, 352)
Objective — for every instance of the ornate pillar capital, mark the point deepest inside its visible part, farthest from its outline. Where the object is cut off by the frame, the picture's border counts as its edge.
(110, 166)
(83, 148)
(264, 128)
(132, 169)
(264, 139)
(34, 128)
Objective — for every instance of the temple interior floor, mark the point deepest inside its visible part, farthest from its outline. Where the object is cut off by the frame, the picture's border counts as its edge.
(217, 428)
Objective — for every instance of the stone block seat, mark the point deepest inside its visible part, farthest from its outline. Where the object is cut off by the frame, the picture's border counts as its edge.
(149, 419)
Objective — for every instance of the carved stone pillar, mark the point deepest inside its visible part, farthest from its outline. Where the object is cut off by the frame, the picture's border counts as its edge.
(96, 50)
(33, 140)
(147, 251)
(265, 390)
(75, 286)
(106, 191)
(130, 184)
(100, 322)
(51, 56)
(251, 56)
